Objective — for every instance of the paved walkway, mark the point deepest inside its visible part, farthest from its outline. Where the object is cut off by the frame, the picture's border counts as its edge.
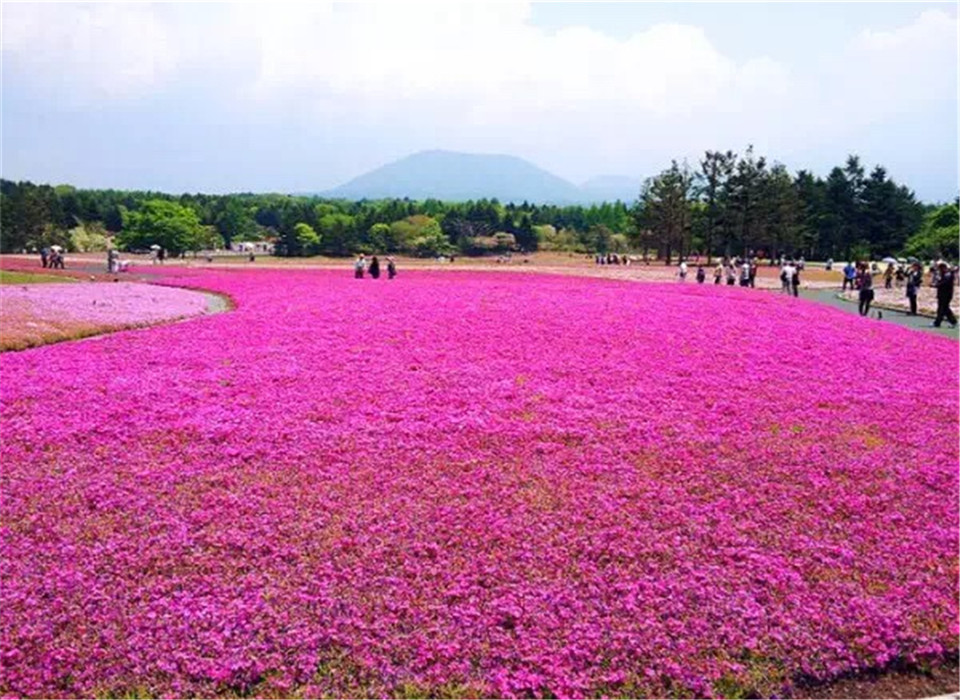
(918, 323)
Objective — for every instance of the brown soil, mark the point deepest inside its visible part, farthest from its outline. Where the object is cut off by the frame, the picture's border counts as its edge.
(941, 679)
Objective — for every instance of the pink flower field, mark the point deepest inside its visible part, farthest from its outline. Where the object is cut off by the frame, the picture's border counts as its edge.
(34, 314)
(477, 483)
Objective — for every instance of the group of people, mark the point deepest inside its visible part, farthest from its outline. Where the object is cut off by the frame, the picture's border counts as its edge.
(51, 257)
(360, 266)
(743, 271)
(617, 259)
(859, 276)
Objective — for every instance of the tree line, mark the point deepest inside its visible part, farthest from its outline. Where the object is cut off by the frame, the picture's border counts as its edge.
(735, 205)
(729, 205)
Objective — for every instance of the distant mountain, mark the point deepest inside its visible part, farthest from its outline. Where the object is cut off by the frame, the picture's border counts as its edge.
(609, 188)
(453, 176)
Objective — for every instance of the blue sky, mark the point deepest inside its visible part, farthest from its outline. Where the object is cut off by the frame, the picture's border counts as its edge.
(295, 98)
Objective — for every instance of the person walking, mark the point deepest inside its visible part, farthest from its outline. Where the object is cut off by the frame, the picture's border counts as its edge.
(914, 282)
(375, 268)
(849, 276)
(358, 267)
(391, 268)
(888, 277)
(946, 281)
(786, 277)
(701, 274)
(899, 277)
(866, 291)
(44, 256)
(718, 272)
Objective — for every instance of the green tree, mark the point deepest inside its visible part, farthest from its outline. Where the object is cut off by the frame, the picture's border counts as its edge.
(939, 235)
(159, 222)
(716, 168)
(665, 210)
(235, 222)
(308, 240)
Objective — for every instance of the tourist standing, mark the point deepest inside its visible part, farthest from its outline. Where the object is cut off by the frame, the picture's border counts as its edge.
(683, 270)
(701, 274)
(945, 284)
(358, 267)
(731, 274)
(745, 274)
(161, 255)
(849, 275)
(44, 256)
(754, 265)
(718, 272)
(786, 277)
(795, 280)
(375, 268)
(888, 277)
(391, 268)
(914, 282)
(866, 290)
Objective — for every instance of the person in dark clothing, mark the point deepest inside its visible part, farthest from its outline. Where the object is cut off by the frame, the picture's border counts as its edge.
(391, 269)
(374, 268)
(795, 281)
(44, 256)
(866, 291)
(888, 277)
(701, 274)
(914, 282)
(161, 254)
(945, 284)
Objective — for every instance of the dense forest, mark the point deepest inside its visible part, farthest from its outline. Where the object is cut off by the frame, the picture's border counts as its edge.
(730, 204)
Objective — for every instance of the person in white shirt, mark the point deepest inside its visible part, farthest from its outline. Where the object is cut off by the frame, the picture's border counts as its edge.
(786, 277)
(683, 270)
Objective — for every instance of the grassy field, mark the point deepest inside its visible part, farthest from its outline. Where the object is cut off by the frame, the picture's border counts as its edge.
(9, 277)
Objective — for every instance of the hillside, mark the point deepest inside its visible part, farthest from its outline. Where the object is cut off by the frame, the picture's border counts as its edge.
(453, 176)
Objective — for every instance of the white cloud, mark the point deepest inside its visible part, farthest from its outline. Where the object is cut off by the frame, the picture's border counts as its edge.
(480, 76)
(98, 50)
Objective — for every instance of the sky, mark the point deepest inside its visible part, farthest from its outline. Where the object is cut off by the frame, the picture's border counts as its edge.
(300, 98)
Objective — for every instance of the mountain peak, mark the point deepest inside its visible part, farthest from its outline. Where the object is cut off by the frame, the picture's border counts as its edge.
(455, 176)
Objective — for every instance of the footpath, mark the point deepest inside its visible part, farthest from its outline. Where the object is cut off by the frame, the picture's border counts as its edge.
(918, 323)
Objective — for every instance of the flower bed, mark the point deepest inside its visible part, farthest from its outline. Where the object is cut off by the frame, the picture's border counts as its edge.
(32, 315)
(482, 483)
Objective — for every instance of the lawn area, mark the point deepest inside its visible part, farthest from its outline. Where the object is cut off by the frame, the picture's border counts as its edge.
(15, 277)
(476, 483)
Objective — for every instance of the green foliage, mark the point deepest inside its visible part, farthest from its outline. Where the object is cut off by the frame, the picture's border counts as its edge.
(939, 235)
(89, 238)
(308, 241)
(733, 204)
(337, 233)
(159, 222)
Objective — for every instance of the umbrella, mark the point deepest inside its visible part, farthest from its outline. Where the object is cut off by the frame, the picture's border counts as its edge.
(154, 247)
(56, 248)
(889, 260)
(912, 259)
